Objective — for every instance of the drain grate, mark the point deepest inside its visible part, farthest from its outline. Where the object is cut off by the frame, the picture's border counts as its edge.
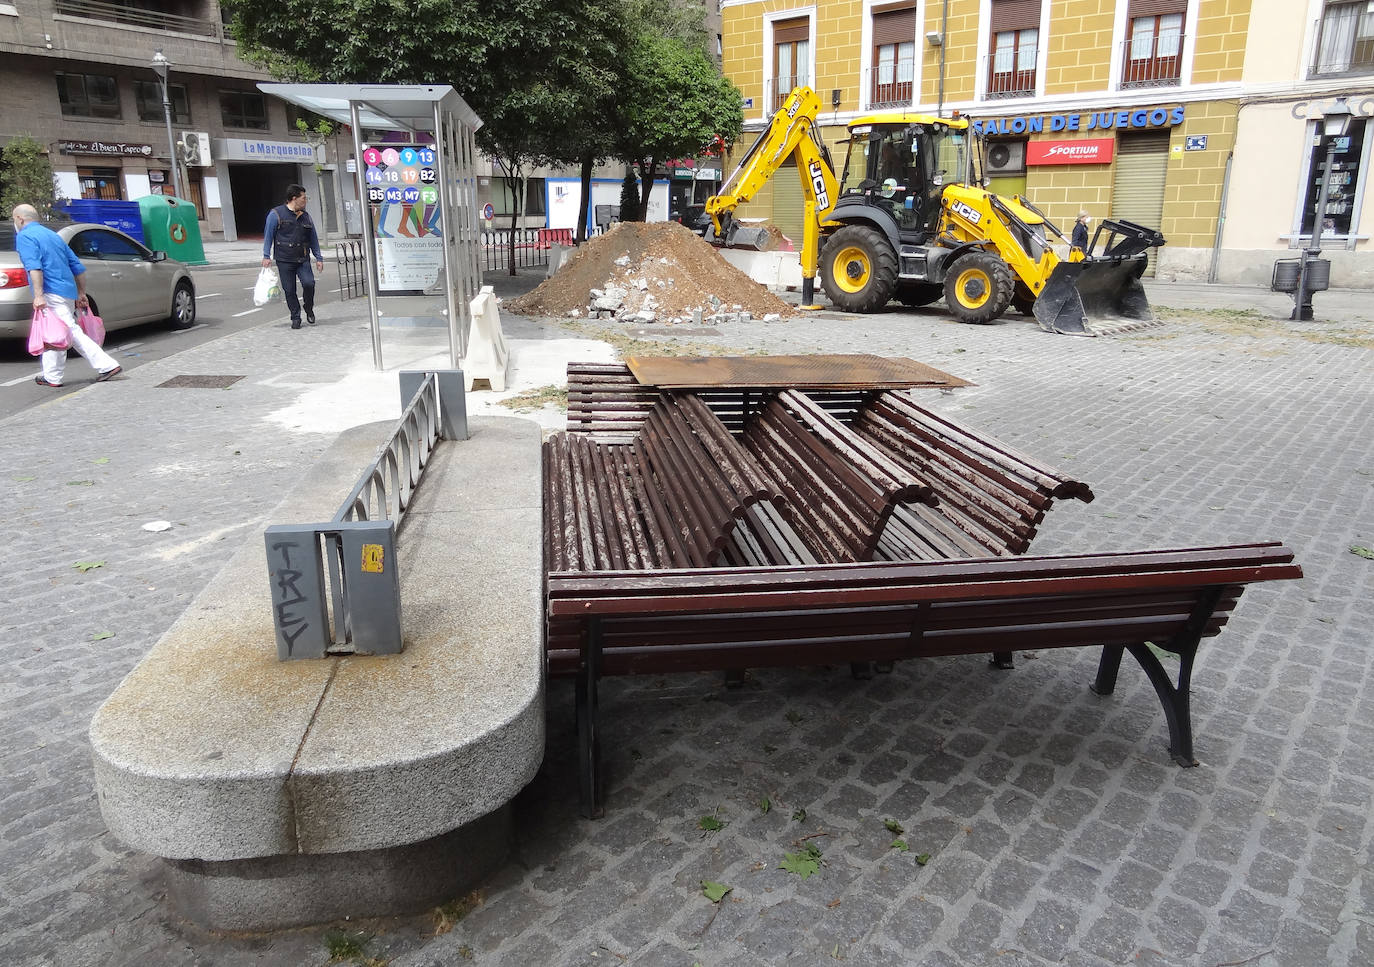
(199, 382)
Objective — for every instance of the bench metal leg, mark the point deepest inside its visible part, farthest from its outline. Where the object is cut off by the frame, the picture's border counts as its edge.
(1002, 659)
(861, 670)
(1174, 698)
(736, 677)
(1107, 668)
(588, 741)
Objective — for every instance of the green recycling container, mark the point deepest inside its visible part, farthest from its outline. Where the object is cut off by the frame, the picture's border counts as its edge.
(170, 225)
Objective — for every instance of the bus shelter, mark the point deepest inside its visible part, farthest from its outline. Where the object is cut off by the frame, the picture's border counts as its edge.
(420, 227)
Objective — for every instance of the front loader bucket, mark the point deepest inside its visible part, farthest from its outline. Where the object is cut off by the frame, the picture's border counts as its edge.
(739, 236)
(1079, 292)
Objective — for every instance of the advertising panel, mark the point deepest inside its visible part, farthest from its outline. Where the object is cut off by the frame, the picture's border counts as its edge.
(403, 197)
(1096, 151)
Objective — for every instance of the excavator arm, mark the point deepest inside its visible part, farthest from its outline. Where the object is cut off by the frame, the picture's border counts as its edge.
(793, 133)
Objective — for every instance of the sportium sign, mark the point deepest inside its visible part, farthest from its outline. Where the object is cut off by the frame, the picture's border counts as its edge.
(1095, 151)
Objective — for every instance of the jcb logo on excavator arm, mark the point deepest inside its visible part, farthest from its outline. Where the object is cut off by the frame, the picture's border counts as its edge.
(967, 211)
(818, 186)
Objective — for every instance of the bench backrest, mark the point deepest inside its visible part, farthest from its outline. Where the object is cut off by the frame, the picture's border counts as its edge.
(992, 497)
(669, 499)
(753, 617)
(606, 401)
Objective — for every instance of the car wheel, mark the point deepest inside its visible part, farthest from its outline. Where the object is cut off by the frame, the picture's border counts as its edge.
(183, 306)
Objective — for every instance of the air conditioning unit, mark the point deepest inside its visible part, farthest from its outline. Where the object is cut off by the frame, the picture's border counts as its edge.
(1006, 158)
(194, 148)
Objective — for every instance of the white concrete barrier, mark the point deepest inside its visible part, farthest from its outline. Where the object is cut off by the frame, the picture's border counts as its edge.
(488, 353)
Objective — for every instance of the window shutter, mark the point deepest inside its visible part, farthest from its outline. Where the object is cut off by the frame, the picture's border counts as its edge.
(895, 27)
(791, 31)
(1153, 8)
(1015, 15)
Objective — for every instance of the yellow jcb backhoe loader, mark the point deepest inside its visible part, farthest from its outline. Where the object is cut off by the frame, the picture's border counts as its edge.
(910, 220)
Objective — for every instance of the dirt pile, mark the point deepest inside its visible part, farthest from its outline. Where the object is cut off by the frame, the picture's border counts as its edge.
(643, 272)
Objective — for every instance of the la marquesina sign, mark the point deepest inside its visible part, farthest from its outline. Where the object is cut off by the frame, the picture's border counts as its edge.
(1091, 151)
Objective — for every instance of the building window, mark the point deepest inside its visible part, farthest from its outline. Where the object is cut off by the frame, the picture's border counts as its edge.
(791, 58)
(102, 183)
(88, 95)
(1344, 177)
(148, 94)
(1154, 44)
(1345, 43)
(1015, 46)
(502, 197)
(243, 109)
(894, 58)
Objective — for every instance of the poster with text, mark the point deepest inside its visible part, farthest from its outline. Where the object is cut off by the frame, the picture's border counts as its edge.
(403, 198)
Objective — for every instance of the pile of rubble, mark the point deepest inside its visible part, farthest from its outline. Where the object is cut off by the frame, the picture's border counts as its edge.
(646, 273)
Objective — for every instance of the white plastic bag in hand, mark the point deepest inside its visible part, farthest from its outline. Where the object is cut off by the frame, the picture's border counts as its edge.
(268, 286)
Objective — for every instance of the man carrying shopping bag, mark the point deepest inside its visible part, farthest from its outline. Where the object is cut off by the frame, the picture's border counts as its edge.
(55, 275)
(291, 233)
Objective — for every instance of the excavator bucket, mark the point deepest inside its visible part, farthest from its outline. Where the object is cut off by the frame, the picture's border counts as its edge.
(1079, 292)
(739, 236)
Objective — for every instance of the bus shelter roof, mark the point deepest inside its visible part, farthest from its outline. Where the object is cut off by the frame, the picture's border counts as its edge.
(392, 107)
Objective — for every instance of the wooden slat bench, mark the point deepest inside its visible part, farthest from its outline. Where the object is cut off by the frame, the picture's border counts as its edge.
(636, 622)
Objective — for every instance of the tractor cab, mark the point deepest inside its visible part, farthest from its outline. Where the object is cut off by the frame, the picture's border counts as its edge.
(901, 164)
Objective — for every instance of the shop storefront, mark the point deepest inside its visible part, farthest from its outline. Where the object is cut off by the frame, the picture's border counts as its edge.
(250, 177)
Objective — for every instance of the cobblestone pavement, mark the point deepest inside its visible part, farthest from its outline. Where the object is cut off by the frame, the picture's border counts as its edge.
(1045, 824)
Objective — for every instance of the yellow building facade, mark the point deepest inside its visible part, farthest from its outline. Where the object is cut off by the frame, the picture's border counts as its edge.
(1203, 118)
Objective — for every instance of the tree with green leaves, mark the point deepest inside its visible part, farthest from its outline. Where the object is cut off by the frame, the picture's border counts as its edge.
(26, 177)
(629, 197)
(676, 105)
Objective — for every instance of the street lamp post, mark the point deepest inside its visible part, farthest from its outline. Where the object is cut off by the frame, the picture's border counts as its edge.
(160, 64)
(1335, 123)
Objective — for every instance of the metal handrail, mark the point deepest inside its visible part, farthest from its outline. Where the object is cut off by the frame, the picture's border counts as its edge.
(410, 446)
(134, 16)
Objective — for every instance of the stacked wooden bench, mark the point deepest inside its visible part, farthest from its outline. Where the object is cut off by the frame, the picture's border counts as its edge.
(742, 528)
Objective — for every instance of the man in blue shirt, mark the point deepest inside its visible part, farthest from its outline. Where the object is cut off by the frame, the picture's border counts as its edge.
(291, 232)
(55, 275)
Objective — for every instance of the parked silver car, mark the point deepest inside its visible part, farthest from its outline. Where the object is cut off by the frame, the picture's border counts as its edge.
(127, 283)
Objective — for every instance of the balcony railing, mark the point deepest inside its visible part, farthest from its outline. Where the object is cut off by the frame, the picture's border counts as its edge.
(1006, 79)
(135, 17)
(1341, 48)
(1158, 63)
(884, 88)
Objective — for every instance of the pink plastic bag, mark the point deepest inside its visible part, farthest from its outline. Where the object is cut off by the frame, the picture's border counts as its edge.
(93, 326)
(46, 331)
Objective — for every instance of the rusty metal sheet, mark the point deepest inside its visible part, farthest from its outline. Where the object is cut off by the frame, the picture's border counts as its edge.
(852, 371)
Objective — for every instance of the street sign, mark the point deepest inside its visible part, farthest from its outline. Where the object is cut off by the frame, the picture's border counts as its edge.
(1340, 145)
(1195, 142)
(488, 211)
(748, 103)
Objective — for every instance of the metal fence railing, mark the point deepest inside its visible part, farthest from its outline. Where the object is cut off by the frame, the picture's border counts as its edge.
(336, 586)
(138, 17)
(352, 269)
(531, 246)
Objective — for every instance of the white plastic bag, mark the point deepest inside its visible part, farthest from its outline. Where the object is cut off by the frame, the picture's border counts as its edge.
(268, 286)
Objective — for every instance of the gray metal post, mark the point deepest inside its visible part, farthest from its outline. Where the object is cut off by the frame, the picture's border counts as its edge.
(295, 569)
(453, 409)
(369, 238)
(448, 209)
(373, 580)
(1302, 307)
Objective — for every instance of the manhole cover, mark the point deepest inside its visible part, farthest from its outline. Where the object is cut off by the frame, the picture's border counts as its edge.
(199, 382)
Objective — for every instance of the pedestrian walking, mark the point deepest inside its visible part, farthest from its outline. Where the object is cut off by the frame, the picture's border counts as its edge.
(1079, 237)
(55, 275)
(290, 235)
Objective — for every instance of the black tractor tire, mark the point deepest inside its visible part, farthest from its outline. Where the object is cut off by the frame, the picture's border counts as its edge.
(978, 288)
(1023, 300)
(858, 269)
(917, 294)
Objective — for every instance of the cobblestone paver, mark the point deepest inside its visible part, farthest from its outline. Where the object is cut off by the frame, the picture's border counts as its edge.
(1044, 824)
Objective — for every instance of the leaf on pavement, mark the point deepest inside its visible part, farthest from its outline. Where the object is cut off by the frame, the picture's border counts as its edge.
(102, 635)
(710, 823)
(80, 483)
(900, 845)
(1363, 552)
(84, 566)
(101, 460)
(923, 859)
(802, 864)
(894, 827)
(714, 891)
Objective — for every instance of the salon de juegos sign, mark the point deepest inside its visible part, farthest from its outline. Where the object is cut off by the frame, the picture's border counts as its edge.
(1155, 117)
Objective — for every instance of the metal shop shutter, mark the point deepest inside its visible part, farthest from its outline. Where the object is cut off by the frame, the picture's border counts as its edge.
(787, 203)
(1142, 161)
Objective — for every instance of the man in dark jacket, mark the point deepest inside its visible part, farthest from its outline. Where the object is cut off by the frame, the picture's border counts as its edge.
(291, 232)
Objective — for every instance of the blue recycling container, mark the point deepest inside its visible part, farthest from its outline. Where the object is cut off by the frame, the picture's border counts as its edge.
(123, 215)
